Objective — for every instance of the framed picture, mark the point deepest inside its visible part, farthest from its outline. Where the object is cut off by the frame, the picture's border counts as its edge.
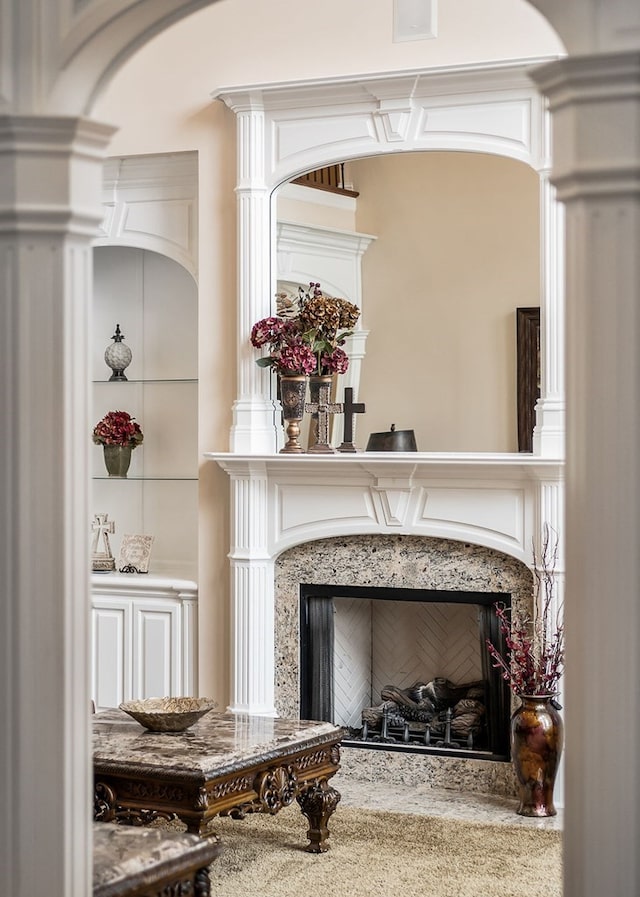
(528, 373)
(135, 552)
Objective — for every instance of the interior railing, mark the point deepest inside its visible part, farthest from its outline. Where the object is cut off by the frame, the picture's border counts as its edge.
(330, 178)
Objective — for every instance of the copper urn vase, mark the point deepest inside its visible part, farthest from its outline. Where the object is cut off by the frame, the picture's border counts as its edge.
(293, 391)
(537, 733)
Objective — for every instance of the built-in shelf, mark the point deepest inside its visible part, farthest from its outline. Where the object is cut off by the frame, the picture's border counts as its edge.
(144, 380)
(145, 625)
(147, 479)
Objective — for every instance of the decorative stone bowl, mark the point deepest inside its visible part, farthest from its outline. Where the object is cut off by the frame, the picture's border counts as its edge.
(168, 715)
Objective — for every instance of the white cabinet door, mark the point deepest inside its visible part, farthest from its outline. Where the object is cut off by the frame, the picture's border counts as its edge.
(144, 638)
(157, 655)
(111, 641)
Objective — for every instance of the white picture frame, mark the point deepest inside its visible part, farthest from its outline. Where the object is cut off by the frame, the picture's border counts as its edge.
(135, 553)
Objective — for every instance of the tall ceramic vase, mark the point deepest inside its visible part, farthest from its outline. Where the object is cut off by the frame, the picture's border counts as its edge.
(293, 391)
(117, 459)
(537, 734)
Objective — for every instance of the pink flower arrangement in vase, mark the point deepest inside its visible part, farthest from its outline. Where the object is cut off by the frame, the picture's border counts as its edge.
(288, 354)
(118, 434)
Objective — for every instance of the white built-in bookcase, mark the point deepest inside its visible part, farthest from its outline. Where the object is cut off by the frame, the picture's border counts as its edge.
(145, 625)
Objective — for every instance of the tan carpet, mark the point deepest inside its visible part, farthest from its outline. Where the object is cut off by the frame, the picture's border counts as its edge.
(376, 854)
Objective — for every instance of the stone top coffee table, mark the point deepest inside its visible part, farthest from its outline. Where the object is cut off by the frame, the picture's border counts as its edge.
(227, 764)
(150, 862)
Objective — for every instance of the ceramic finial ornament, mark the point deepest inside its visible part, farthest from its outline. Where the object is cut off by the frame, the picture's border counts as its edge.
(118, 356)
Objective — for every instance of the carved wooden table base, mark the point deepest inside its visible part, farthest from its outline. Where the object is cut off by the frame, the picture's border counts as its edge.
(226, 765)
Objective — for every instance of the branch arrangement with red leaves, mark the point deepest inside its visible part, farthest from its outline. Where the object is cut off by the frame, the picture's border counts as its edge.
(534, 659)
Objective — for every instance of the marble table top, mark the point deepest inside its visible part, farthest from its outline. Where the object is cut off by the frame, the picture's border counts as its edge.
(219, 743)
(122, 854)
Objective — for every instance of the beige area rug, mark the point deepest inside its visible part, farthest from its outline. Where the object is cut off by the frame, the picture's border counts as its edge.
(379, 854)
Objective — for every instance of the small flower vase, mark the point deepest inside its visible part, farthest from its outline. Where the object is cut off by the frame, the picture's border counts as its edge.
(537, 733)
(293, 391)
(117, 459)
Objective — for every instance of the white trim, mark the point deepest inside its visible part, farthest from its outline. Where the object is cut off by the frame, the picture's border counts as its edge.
(300, 193)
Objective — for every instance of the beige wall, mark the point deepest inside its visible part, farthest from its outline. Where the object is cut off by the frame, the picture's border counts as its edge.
(319, 209)
(457, 251)
(160, 100)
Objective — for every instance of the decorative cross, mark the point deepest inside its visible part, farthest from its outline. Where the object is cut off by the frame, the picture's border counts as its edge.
(323, 408)
(102, 561)
(350, 409)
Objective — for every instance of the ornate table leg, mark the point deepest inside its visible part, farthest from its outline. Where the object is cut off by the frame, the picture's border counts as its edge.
(317, 801)
(104, 803)
(201, 884)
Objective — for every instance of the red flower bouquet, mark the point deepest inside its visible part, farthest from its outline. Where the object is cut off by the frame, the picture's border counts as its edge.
(117, 428)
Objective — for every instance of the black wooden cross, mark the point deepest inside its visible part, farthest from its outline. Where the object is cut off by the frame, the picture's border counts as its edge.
(323, 408)
(350, 409)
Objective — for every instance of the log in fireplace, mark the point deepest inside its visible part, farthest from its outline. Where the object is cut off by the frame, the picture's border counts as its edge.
(399, 667)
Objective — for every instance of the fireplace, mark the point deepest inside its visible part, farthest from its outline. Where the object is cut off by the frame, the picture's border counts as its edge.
(426, 521)
(405, 668)
(398, 563)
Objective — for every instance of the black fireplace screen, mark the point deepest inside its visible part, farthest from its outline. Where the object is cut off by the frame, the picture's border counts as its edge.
(437, 715)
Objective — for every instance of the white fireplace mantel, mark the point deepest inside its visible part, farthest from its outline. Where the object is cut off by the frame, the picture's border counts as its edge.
(499, 501)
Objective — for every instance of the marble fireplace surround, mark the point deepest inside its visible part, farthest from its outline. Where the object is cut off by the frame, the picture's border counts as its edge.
(388, 560)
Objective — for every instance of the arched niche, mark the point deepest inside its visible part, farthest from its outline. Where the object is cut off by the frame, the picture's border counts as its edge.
(145, 265)
(151, 202)
(284, 130)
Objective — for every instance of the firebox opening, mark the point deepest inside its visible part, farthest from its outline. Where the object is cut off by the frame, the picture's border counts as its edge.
(405, 669)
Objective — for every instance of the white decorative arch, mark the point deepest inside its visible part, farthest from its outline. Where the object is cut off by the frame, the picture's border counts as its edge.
(151, 202)
(283, 130)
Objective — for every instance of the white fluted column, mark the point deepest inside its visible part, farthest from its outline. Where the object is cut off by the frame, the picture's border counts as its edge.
(253, 430)
(49, 212)
(595, 104)
(550, 512)
(549, 430)
(252, 596)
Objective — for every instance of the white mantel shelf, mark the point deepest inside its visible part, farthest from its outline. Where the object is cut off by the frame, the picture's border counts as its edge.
(435, 462)
(493, 500)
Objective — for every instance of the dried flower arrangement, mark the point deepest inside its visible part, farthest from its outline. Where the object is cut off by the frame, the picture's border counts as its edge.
(534, 659)
(117, 428)
(288, 354)
(307, 334)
